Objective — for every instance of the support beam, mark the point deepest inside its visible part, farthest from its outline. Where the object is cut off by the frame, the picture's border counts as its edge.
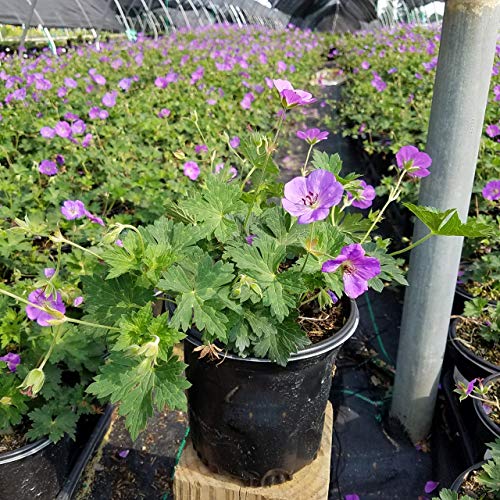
(27, 26)
(466, 56)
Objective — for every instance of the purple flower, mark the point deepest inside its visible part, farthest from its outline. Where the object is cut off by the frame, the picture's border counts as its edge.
(247, 100)
(125, 83)
(39, 298)
(200, 148)
(103, 114)
(492, 130)
(94, 112)
(310, 198)
(12, 359)
(356, 267)
(351, 496)
(392, 70)
(163, 113)
(378, 83)
(73, 209)
(86, 140)
(430, 486)
(249, 239)
(123, 453)
(78, 301)
(47, 132)
(93, 218)
(109, 99)
(313, 135)
(470, 388)
(487, 408)
(412, 160)
(492, 190)
(119, 243)
(234, 142)
(47, 167)
(291, 97)
(99, 79)
(78, 127)
(49, 272)
(365, 65)
(60, 160)
(363, 197)
(70, 83)
(63, 129)
(220, 167)
(191, 170)
(332, 296)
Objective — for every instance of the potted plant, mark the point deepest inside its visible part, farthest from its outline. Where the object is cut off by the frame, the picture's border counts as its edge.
(473, 339)
(484, 425)
(479, 482)
(45, 369)
(261, 280)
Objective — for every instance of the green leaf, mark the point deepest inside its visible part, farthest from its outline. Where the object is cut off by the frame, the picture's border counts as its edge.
(124, 259)
(354, 226)
(52, 422)
(448, 223)
(261, 261)
(280, 224)
(255, 149)
(324, 161)
(200, 289)
(140, 326)
(217, 207)
(107, 300)
(139, 386)
(287, 338)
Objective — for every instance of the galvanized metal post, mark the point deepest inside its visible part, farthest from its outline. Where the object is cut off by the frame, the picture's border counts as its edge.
(466, 56)
(27, 27)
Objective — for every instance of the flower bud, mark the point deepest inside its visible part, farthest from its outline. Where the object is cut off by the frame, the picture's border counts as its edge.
(33, 382)
(150, 349)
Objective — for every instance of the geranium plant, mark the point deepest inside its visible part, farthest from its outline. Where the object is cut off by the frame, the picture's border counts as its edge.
(246, 263)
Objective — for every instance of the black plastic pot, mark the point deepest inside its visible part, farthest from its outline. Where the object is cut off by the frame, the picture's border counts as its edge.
(48, 471)
(463, 477)
(256, 420)
(37, 470)
(467, 363)
(460, 298)
(486, 430)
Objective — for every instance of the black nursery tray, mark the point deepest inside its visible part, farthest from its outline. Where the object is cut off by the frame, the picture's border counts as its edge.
(94, 438)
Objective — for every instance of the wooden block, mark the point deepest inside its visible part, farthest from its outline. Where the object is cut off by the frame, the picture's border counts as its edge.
(193, 480)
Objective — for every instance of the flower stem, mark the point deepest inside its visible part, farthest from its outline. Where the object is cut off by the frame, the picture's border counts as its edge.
(263, 172)
(393, 195)
(55, 338)
(59, 238)
(66, 318)
(94, 325)
(304, 168)
(413, 245)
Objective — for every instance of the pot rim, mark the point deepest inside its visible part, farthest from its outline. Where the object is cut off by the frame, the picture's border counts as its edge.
(492, 426)
(467, 353)
(463, 476)
(311, 351)
(460, 290)
(25, 451)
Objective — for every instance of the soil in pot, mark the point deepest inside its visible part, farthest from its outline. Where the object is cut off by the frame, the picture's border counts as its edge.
(471, 353)
(256, 420)
(489, 415)
(470, 486)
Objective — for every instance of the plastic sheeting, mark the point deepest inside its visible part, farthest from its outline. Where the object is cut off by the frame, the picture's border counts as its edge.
(97, 14)
(157, 16)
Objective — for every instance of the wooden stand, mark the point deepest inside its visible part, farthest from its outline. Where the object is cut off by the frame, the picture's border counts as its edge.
(194, 481)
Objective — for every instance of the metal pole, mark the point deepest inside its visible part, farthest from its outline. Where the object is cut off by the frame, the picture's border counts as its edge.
(460, 96)
(27, 26)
